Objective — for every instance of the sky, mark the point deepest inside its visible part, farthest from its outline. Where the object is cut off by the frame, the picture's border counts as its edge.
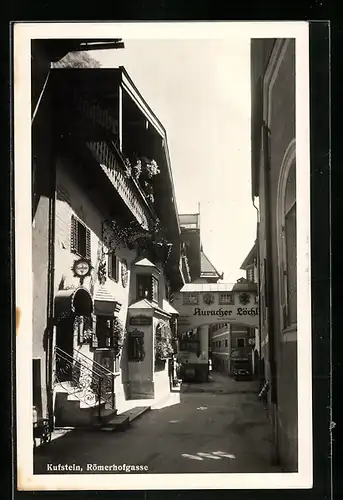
(200, 91)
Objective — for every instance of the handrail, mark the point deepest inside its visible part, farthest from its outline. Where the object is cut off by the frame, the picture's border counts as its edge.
(98, 365)
(101, 368)
(66, 357)
(97, 385)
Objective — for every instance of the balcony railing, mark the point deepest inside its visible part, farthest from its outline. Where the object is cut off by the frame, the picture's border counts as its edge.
(113, 164)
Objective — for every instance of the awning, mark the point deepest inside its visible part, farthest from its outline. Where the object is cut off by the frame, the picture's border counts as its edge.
(105, 303)
(73, 301)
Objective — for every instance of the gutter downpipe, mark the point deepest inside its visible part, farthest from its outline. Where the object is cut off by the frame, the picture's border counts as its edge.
(259, 371)
(270, 294)
(51, 273)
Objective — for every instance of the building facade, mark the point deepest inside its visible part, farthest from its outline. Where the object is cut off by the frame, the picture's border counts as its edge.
(106, 248)
(250, 266)
(274, 195)
(194, 345)
(220, 347)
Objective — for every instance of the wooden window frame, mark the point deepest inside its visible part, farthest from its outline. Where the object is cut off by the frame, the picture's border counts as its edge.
(155, 292)
(112, 277)
(148, 278)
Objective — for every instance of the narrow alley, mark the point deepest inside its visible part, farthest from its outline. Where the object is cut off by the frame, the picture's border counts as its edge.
(219, 426)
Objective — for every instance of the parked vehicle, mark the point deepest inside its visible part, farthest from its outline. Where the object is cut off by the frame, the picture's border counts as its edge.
(241, 374)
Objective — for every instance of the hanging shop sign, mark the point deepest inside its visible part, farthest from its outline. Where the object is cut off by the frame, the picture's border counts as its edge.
(141, 320)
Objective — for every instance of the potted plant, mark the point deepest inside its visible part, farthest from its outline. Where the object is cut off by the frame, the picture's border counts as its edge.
(117, 336)
(137, 169)
(128, 167)
(152, 168)
(163, 344)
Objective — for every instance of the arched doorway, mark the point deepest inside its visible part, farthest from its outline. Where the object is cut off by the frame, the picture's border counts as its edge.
(68, 305)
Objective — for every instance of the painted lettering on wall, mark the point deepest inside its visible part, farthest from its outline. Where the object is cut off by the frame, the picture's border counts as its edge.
(243, 311)
(222, 313)
(212, 312)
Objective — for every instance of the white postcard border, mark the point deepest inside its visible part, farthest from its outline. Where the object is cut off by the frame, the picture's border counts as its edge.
(23, 33)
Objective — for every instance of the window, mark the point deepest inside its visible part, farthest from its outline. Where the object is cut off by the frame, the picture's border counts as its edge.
(287, 242)
(144, 286)
(80, 238)
(240, 342)
(225, 342)
(113, 267)
(103, 332)
(226, 298)
(189, 345)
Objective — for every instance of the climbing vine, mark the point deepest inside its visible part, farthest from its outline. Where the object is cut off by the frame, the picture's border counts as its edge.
(118, 336)
(163, 341)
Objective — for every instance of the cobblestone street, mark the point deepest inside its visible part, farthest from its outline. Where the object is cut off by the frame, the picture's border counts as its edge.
(219, 426)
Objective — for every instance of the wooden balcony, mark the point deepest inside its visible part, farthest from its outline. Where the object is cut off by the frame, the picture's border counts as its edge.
(113, 165)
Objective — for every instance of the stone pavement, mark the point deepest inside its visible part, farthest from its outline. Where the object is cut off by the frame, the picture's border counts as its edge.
(220, 426)
(222, 384)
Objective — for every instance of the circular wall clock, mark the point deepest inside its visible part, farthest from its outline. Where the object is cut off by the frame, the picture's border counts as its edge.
(82, 268)
(124, 273)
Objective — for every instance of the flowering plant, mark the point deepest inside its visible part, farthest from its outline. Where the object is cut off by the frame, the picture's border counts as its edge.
(128, 168)
(137, 169)
(87, 335)
(163, 345)
(118, 334)
(152, 168)
(163, 349)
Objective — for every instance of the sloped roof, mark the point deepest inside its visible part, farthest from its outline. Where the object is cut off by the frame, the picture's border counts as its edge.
(249, 259)
(146, 263)
(146, 304)
(141, 304)
(206, 266)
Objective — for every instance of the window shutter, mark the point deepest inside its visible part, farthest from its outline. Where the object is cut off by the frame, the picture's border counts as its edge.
(88, 244)
(117, 268)
(73, 235)
(109, 266)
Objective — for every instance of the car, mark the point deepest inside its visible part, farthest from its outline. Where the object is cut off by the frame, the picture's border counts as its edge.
(242, 374)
